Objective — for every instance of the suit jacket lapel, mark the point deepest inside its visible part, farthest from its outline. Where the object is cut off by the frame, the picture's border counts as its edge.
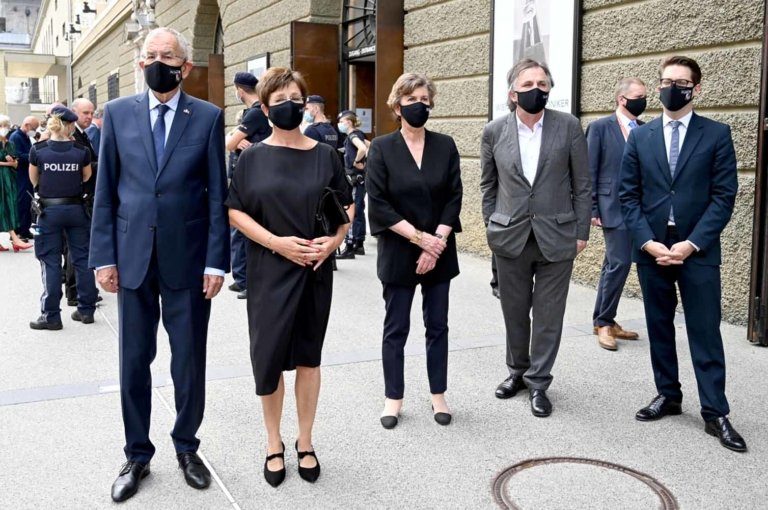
(692, 137)
(660, 149)
(141, 111)
(616, 129)
(548, 137)
(180, 121)
(513, 142)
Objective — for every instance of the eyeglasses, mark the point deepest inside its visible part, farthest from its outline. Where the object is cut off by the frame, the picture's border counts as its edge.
(282, 100)
(666, 82)
(162, 57)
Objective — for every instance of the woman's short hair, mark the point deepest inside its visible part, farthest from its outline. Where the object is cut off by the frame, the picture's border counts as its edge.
(5, 120)
(406, 84)
(277, 78)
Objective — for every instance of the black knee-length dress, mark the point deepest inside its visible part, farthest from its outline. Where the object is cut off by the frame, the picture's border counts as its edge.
(288, 306)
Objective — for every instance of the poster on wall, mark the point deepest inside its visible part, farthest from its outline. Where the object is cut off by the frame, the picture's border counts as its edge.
(257, 65)
(542, 30)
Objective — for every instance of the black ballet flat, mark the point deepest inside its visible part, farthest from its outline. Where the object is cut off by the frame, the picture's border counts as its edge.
(442, 418)
(275, 478)
(389, 422)
(308, 474)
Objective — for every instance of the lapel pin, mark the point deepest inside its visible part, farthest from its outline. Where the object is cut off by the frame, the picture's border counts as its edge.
(186, 111)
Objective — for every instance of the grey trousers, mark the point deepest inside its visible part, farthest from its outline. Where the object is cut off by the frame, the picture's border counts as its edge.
(531, 283)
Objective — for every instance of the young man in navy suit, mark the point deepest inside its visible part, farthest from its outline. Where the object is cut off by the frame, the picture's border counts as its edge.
(606, 138)
(160, 239)
(678, 189)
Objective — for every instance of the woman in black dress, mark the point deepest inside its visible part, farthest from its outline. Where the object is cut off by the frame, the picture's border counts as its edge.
(273, 198)
(414, 200)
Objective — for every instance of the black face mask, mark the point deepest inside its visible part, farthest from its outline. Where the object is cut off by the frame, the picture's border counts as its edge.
(415, 114)
(161, 77)
(532, 101)
(636, 106)
(287, 115)
(675, 98)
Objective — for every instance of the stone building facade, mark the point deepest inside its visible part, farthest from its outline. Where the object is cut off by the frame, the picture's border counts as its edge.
(450, 40)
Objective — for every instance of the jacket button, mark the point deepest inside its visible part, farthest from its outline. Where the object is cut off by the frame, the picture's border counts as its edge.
(533, 215)
(673, 192)
(157, 194)
(152, 228)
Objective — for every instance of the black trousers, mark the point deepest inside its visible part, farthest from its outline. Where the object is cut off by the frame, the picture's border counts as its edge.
(700, 291)
(397, 325)
(185, 315)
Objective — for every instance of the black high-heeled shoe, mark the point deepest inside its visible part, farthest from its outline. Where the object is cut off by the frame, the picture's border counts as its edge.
(308, 474)
(275, 478)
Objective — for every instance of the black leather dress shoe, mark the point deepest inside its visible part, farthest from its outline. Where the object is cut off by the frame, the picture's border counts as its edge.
(42, 323)
(235, 287)
(510, 386)
(81, 317)
(659, 407)
(388, 422)
(243, 294)
(541, 407)
(495, 292)
(127, 482)
(195, 472)
(722, 429)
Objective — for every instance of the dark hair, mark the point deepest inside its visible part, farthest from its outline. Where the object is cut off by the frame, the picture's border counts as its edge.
(276, 78)
(517, 70)
(685, 62)
(245, 88)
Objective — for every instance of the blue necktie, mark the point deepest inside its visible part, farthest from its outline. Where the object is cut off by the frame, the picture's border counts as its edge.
(632, 124)
(674, 153)
(158, 133)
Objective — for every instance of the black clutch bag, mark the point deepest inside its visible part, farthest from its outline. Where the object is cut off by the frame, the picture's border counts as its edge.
(330, 213)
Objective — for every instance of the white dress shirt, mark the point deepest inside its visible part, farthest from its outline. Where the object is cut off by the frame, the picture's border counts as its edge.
(624, 120)
(172, 104)
(529, 142)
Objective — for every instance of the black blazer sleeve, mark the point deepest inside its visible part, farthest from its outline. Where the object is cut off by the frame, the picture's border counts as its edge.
(381, 214)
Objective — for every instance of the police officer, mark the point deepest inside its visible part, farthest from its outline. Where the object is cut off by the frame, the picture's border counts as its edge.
(355, 152)
(319, 127)
(58, 167)
(252, 129)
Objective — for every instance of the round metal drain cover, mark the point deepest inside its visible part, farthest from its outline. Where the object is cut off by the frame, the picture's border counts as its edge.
(572, 482)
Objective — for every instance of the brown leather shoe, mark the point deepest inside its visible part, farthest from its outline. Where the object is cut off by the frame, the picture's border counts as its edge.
(618, 332)
(605, 339)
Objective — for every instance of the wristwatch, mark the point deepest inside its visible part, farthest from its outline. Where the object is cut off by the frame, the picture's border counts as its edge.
(416, 237)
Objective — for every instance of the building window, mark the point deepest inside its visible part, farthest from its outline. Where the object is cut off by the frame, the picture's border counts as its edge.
(113, 86)
(92, 95)
(79, 82)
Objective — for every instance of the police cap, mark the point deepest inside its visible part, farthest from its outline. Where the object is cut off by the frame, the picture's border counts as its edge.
(246, 79)
(64, 113)
(315, 99)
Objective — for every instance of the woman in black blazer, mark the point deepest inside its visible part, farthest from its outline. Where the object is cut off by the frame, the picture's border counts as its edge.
(414, 200)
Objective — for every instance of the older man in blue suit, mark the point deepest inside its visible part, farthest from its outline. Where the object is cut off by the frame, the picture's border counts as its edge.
(678, 189)
(160, 235)
(606, 138)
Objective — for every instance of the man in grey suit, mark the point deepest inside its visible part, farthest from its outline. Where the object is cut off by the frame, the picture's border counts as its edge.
(536, 203)
(606, 138)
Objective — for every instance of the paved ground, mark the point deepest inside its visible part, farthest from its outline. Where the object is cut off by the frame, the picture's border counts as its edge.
(61, 434)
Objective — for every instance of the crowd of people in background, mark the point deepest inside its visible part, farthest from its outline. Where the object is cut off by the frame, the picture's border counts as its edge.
(168, 216)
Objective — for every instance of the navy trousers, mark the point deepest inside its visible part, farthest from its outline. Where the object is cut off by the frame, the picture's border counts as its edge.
(397, 325)
(700, 291)
(357, 232)
(613, 275)
(57, 222)
(237, 246)
(24, 199)
(185, 315)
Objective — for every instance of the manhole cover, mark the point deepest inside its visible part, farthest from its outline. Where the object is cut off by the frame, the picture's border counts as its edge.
(571, 482)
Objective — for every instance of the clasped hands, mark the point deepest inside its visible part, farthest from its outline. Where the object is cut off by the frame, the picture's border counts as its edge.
(306, 252)
(673, 256)
(432, 247)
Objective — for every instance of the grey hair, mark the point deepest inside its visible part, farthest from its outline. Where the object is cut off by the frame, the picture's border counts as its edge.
(5, 120)
(517, 70)
(622, 86)
(184, 48)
